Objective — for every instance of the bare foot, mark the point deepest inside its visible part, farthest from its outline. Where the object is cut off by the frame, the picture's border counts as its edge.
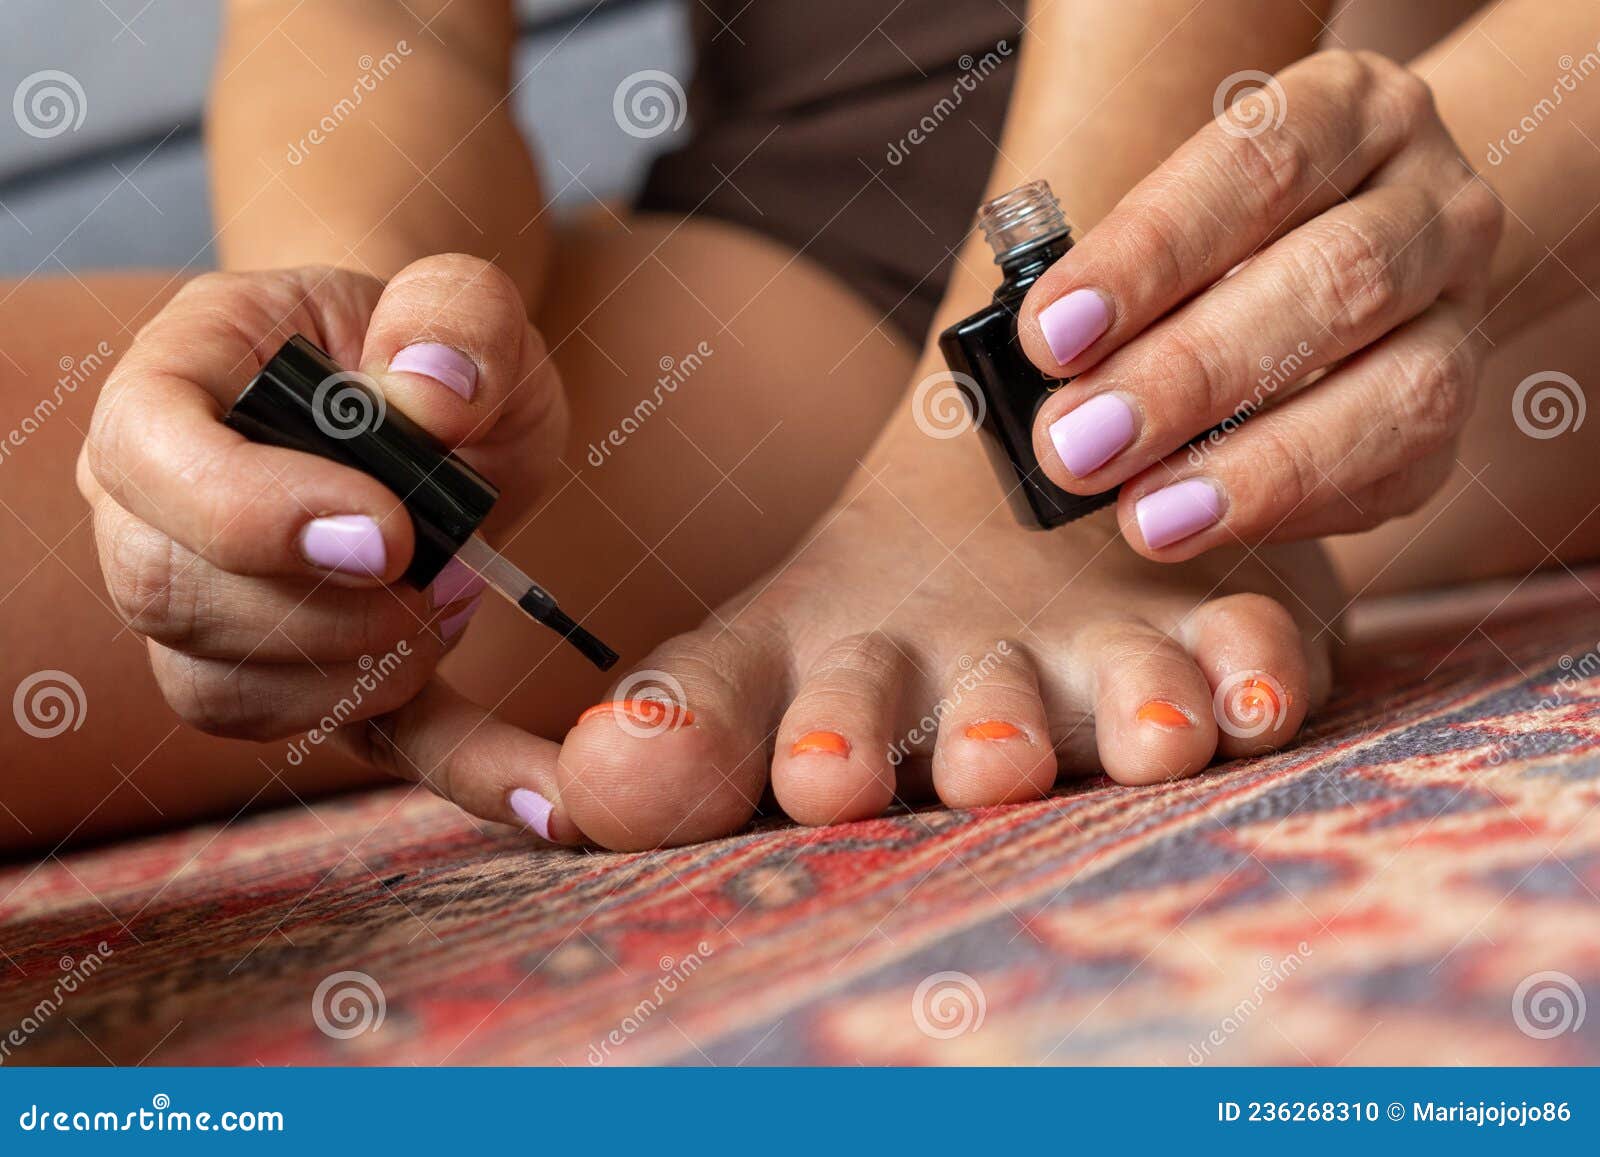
(895, 636)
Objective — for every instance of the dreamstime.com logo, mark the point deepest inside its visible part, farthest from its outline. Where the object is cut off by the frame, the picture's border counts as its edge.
(1249, 103)
(649, 703)
(947, 404)
(1250, 703)
(1548, 404)
(347, 1004)
(74, 974)
(347, 404)
(649, 103)
(948, 1004)
(1547, 1004)
(48, 103)
(49, 703)
(674, 973)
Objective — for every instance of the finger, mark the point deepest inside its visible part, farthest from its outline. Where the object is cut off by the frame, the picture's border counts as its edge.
(1402, 493)
(1330, 288)
(157, 446)
(1399, 401)
(1275, 159)
(449, 344)
(171, 595)
(460, 752)
(262, 701)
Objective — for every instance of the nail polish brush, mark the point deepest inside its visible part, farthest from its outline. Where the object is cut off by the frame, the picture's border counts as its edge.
(303, 400)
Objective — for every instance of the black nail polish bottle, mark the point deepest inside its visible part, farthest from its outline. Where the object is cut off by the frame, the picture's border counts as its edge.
(1028, 234)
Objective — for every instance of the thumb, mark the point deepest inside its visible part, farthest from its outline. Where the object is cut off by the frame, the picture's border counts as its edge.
(460, 752)
(450, 345)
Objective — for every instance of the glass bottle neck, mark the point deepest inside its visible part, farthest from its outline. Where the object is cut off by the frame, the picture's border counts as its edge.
(1022, 267)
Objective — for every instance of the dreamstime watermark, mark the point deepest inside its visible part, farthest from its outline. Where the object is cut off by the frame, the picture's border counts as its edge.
(674, 373)
(1271, 974)
(973, 674)
(1275, 372)
(347, 1004)
(1573, 73)
(48, 103)
(74, 973)
(348, 707)
(973, 73)
(649, 103)
(1575, 672)
(74, 372)
(49, 703)
(1547, 1004)
(373, 72)
(673, 974)
(947, 404)
(948, 1004)
(347, 404)
(649, 702)
(1548, 404)
(1249, 103)
(1250, 703)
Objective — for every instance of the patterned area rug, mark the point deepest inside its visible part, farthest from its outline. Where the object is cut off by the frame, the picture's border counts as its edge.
(1417, 881)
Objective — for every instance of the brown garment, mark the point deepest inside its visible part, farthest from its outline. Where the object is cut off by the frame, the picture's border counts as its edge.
(859, 133)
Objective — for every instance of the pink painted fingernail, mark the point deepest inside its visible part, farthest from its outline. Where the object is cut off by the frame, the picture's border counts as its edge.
(532, 809)
(1070, 324)
(351, 543)
(1177, 511)
(451, 627)
(455, 582)
(449, 367)
(1093, 434)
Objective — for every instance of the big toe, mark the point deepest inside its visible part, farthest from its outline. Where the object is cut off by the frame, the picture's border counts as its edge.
(679, 753)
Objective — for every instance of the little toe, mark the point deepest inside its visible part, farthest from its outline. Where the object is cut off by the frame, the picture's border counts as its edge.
(994, 739)
(1254, 658)
(1152, 707)
(679, 753)
(832, 761)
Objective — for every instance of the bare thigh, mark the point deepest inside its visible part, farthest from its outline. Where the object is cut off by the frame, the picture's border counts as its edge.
(723, 390)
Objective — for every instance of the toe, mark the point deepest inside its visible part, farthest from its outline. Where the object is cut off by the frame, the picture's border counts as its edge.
(832, 759)
(994, 740)
(1152, 707)
(679, 753)
(1254, 658)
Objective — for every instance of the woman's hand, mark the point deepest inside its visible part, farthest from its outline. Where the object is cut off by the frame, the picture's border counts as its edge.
(261, 576)
(1315, 261)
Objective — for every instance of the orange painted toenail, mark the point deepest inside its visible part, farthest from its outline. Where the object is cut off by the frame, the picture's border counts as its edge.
(656, 714)
(992, 729)
(1261, 692)
(825, 742)
(1163, 714)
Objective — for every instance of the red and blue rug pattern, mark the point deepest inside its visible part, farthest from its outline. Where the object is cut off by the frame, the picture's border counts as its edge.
(1416, 882)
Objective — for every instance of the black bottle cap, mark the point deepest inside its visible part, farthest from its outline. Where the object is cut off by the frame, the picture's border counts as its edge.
(303, 400)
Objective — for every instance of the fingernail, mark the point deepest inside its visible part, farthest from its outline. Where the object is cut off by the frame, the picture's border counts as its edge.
(351, 543)
(451, 627)
(651, 713)
(1071, 323)
(1091, 435)
(824, 742)
(1163, 714)
(1177, 511)
(455, 582)
(992, 729)
(532, 809)
(449, 367)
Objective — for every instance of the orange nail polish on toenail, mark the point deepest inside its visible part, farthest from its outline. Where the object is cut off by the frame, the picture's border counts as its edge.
(992, 729)
(823, 742)
(1261, 692)
(1163, 714)
(655, 714)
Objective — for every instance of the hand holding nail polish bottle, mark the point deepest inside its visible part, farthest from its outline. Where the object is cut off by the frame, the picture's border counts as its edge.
(1028, 234)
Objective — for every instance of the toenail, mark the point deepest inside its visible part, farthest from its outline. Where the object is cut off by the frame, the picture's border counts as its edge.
(823, 742)
(1163, 714)
(992, 729)
(650, 714)
(532, 809)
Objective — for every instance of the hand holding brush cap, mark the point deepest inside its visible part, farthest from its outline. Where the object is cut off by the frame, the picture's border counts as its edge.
(302, 400)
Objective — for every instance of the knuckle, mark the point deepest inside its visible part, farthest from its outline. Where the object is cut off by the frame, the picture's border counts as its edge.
(1154, 243)
(202, 695)
(864, 660)
(1346, 268)
(1280, 477)
(143, 578)
(1188, 368)
(1437, 390)
(1267, 170)
(1479, 214)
